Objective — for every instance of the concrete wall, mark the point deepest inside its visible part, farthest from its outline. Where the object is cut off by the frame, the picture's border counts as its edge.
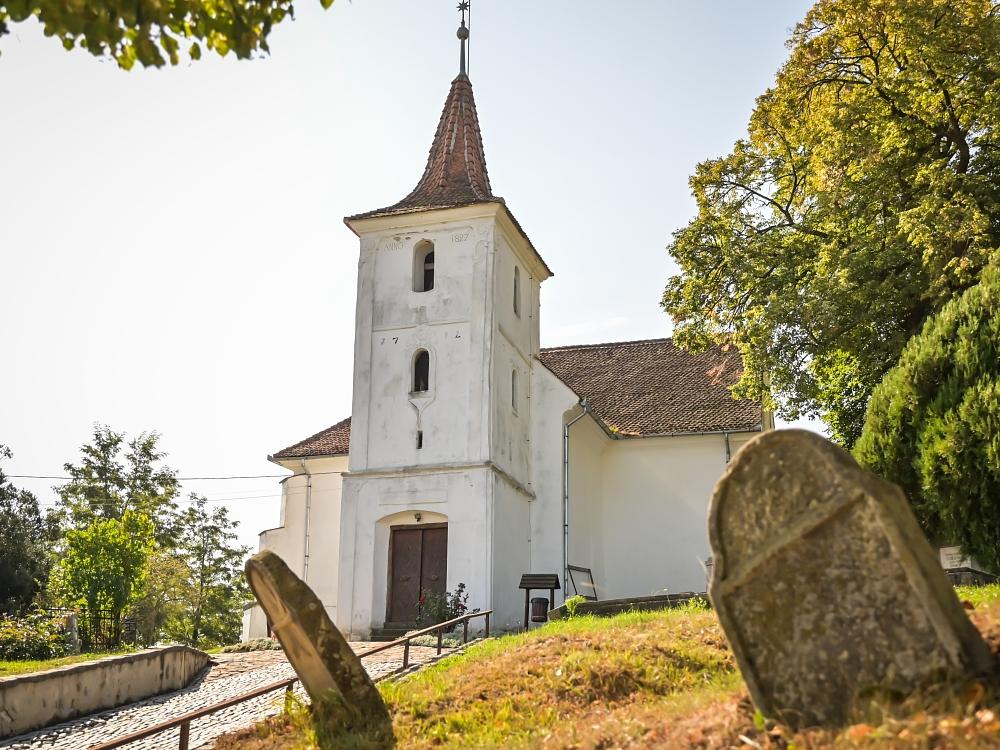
(32, 701)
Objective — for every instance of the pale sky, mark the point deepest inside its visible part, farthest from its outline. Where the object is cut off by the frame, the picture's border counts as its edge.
(172, 252)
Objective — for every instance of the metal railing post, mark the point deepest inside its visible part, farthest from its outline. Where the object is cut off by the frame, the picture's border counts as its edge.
(465, 631)
(185, 735)
(440, 637)
(406, 655)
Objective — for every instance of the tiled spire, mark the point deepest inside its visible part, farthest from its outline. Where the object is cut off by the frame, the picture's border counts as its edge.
(455, 174)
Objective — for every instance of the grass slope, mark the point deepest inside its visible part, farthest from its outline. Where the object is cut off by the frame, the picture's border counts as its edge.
(640, 680)
(11, 668)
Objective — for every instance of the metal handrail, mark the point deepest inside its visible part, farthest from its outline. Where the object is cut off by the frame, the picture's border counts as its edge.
(184, 721)
(439, 629)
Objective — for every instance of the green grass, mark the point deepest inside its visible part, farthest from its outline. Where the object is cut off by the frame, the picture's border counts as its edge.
(10, 668)
(559, 680)
(979, 595)
(639, 680)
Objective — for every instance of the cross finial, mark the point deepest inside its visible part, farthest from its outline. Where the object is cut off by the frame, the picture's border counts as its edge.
(463, 33)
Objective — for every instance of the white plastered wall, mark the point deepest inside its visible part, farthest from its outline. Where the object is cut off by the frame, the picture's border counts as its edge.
(553, 404)
(655, 520)
(511, 545)
(288, 540)
(460, 497)
(639, 508)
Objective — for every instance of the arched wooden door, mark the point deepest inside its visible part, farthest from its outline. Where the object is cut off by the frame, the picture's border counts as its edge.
(418, 563)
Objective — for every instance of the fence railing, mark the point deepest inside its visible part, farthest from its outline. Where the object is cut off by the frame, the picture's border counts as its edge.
(184, 721)
(101, 630)
(440, 629)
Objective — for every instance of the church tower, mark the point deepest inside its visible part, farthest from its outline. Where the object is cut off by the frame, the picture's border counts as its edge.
(440, 473)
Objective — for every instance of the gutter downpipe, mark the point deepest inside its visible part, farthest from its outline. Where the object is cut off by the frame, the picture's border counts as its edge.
(308, 513)
(577, 418)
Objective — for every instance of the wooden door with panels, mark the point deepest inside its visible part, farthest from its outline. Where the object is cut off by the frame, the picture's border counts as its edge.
(418, 563)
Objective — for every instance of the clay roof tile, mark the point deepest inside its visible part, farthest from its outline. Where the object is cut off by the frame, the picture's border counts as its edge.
(456, 173)
(636, 388)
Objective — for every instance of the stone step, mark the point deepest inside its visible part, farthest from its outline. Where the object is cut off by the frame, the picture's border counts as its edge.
(390, 632)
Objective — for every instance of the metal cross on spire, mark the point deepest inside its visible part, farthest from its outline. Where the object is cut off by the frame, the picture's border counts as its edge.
(463, 33)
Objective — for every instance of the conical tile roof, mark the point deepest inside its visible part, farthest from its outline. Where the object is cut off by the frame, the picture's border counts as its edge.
(456, 173)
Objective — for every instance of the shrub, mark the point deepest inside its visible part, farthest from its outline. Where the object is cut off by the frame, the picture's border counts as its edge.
(572, 603)
(435, 608)
(36, 636)
(933, 424)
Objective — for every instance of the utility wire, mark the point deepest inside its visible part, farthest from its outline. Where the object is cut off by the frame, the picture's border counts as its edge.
(185, 479)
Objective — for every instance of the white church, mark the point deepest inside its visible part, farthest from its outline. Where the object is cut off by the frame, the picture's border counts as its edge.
(474, 456)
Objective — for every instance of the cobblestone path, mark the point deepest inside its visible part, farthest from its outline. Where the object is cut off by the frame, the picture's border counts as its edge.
(232, 675)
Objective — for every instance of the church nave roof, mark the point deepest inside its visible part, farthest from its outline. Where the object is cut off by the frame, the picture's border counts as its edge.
(636, 388)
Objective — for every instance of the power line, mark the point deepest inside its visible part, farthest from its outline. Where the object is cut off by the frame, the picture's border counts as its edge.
(186, 479)
(109, 504)
(179, 479)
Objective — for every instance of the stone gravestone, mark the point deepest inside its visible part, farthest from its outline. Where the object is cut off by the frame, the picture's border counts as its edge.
(329, 669)
(825, 585)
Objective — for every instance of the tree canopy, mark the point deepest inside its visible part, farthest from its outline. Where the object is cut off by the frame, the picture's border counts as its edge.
(865, 196)
(212, 608)
(104, 567)
(933, 424)
(116, 475)
(24, 553)
(150, 32)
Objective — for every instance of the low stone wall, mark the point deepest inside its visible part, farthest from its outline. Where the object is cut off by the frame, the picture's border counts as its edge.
(36, 700)
(610, 607)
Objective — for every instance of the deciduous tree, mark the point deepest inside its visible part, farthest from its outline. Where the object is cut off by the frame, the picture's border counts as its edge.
(153, 33)
(116, 475)
(25, 536)
(216, 590)
(104, 567)
(864, 197)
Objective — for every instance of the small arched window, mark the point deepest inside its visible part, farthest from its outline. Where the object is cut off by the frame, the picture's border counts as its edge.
(421, 372)
(517, 291)
(513, 389)
(423, 266)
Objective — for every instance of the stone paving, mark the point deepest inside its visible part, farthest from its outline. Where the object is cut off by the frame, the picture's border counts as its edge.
(231, 675)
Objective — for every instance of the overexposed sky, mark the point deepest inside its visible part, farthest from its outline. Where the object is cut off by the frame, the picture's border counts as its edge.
(172, 252)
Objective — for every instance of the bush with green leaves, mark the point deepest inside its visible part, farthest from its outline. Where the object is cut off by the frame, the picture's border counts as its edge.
(572, 603)
(435, 608)
(35, 636)
(933, 424)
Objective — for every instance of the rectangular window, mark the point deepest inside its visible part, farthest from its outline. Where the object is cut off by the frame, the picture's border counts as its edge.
(420, 439)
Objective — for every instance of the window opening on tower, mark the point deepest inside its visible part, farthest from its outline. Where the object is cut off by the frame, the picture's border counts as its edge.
(517, 291)
(421, 371)
(423, 266)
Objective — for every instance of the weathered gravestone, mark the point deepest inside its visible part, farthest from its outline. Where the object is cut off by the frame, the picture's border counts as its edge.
(827, 589)
(330, 671)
